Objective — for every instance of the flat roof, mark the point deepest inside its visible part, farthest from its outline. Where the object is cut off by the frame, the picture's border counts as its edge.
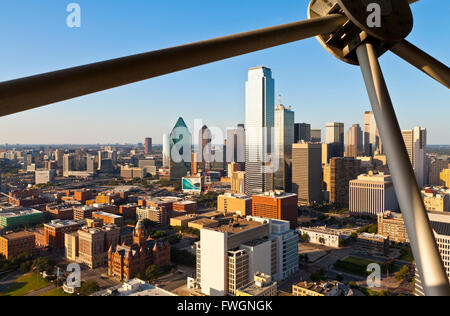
(58, 223)
(17, 235)
(237, 227)
(107, 214)
(18, 213)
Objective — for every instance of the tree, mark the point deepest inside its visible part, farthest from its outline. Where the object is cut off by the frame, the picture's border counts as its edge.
(305, 237)
(44, 264)
(152, 273)
(403, 273)
(88, 288)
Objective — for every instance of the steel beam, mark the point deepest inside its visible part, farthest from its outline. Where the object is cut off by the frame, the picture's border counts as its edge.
(423, 243)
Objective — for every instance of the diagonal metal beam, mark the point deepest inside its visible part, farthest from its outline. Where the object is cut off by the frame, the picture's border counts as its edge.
(420, 234)
(424, 62)
(31, 92)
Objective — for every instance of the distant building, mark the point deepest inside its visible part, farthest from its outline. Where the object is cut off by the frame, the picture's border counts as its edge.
(276, 205)
(316, 135)
(148, 146)
(180, 150)
(354, 142)
(190, 207)
(302, 132)
(372, 194)
(128, 211)
(335, 137)
(445, 177)
(337, 176)
(44, 176)
(261, 286)
(238, 182)
(307, 172)
(435, 167)
(236, 145)
(130, 173)
(229, 203)
(416, 144)
(16, 244)
(284, 138)
(372, 139)
(391, 225)
(372, 244)
(436, 199)
(159, 215)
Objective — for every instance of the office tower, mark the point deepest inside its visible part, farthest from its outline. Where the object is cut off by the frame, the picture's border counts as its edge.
(337, 176)
(416, 143)
(148, 146)
(354, 141)
(236, 145)
(276, 205)
(372, 139)
(440, 223)
(59, 157)
(166, 151)
(307, 172)
(204, 148)
(316, 135)
(229, 256)
(435, 167)
(284, 138)
(302, 132)
(326, 154)
(259, 122)
(90, 166)
(107, 160)
(445, 177)
(68, 164)
(372, 194)
(238, 182)
(194, 164)
(180, 150)
(335, 137)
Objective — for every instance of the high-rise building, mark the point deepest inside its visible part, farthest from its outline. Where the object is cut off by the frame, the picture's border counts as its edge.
(372, 194)
(440, 223)
(354, 141)
(372, 139)
(337, 176)
(148, 146)
(445, 177)
(335, 137)
(238, 182)
(259, 123)
(326, 154)
(204, 148)
(284, 138)
(316, 135)
(416, 143)
(166, 151)
(302, 132)
(307, 172)
(229, 256)
(180, 150)
(276, 205)
(236, 145)
(435, 167)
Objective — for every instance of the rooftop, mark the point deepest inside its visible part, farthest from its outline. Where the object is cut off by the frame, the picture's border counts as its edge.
(235, 228)
(277, 194)
(18, 213)
(17, 235)
(107, 214)
(58, 223)
(134, 287)
(321, 288)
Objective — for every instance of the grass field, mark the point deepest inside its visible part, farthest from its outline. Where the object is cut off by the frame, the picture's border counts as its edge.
(56, 292)
(25, 284)
(359, 261)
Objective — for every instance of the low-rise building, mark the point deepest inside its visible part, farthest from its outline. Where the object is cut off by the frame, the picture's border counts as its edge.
(20, 218)
(134, 287)
(190, 207)
(372, 244)
(158, 215)
(391, 225)
(263, 285)
(55, 230)
(128, 211)
(321, 236)
(109, 218)
(230, 203)
(316, 289)
(436, 199)
(16, 244)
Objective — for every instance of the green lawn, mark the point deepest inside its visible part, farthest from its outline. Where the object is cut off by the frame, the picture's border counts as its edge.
(406, 255)
(25, 284)
(56, 292)
(359, 261)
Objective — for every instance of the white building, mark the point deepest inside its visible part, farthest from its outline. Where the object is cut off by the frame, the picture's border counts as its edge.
(416, 143)
(371, 194)
(259, 122)
(44, 176)
(229, 256)
(321, 236)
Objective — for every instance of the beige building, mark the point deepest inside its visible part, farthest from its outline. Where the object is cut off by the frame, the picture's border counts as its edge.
(391, 225)
(316, 289)
(445, 177)
(235, 204)
(307, 172)
(354, 141)
(321, 236)
(261, 286)
(436, 199)
(337, 176)
(238, 182)
(203, 223)
(371, 194)
(156, 214)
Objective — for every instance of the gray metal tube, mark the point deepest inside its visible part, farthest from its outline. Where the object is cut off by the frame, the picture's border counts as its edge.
(423, 243)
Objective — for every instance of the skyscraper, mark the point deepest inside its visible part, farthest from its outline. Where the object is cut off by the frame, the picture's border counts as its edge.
(335, 137)
(204, 148)
(180, 141)
(236, 145)
(307, 172)
(316, 135)
(416, 143)
(166, 151)
(336, 177)
(284, 138)
(148, 146)
(372, 140)
(354, 141)
(259, 122)
(302, 131)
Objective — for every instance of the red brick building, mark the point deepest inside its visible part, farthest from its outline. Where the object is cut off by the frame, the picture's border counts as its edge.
(282, 206)
(16, 244)
(55, 230)
(25, 198)
(128, 211)
(189, 207)
(125, 262)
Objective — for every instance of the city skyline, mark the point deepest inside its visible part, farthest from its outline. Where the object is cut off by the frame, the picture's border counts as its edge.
(201, 92)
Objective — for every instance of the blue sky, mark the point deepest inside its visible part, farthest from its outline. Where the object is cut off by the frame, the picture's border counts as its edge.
(320, 88)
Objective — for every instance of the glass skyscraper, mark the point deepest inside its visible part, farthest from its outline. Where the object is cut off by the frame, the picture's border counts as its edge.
(259, 123)
(180, 150)
(284, 138)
